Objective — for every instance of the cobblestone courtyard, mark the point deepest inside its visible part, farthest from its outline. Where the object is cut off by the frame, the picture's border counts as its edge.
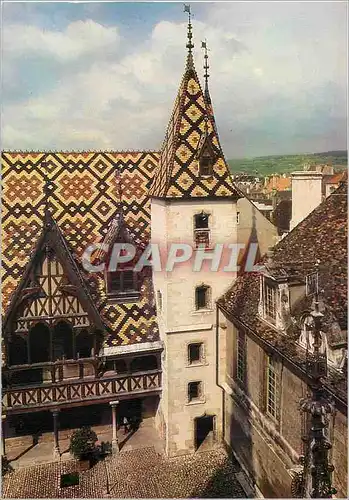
(141, 473)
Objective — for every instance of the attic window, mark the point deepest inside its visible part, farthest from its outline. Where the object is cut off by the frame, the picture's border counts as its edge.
(206, 165)
(268, 299)
(123, 284)
(270, 302)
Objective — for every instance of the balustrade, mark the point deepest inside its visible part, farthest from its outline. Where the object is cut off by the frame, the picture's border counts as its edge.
(100, 388)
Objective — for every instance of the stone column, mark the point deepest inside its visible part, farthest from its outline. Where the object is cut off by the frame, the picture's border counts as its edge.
(56, 451)
(114, 442)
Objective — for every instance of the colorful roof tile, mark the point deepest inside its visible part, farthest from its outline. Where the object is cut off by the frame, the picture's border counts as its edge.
(178, 173)
(84, 203)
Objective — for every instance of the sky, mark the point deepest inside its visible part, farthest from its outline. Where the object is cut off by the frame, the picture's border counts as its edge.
(101, 75)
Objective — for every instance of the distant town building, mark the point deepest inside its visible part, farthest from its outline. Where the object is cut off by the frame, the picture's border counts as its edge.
(267, 340)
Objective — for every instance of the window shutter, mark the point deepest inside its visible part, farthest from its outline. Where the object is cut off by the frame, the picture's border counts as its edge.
(128, 281)
(115, 281)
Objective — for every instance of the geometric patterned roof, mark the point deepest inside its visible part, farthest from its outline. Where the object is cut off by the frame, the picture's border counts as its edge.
(191, 122)
(84, 202)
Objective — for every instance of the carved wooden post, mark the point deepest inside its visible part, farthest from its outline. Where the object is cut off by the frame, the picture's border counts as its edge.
(56, 451)
(3, 448)
(114, 442)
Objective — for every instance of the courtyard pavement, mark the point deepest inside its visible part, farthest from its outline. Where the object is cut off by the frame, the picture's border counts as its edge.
(26, 453)
(133, 473)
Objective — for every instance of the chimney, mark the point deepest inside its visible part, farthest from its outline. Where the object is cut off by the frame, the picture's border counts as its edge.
(306, 194)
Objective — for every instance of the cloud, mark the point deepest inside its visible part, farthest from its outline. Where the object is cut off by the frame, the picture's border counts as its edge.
(78, 39)
(277, 85)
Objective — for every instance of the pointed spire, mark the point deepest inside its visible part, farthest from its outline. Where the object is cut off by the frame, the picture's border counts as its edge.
(206, 75)
(190, 45)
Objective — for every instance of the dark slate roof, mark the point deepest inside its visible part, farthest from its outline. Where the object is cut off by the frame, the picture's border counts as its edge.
(321, 236)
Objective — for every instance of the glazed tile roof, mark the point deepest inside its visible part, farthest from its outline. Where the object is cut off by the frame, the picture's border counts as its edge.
(84, 203)
(178, 173)
(321, 236)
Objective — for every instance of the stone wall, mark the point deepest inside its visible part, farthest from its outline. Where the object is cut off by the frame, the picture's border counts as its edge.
(251, 218)
(267, 449)
(306, 194)
(181, 324)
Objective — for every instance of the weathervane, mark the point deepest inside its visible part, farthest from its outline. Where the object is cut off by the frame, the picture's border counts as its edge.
(206, 67)
(48, 188)
(119, 191)
(189, 45)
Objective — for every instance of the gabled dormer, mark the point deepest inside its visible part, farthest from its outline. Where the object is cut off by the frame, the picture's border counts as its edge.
(274, 297)
(206, 155)
(51, 315)
(122, 283)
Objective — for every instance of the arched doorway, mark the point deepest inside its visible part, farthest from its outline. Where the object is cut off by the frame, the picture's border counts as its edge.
(62, 341)
(39, 343)
(204, 431)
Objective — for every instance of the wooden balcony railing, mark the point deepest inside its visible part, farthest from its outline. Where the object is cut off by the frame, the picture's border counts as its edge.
(44, 396)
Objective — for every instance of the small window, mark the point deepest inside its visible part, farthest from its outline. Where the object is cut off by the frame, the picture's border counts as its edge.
(201, 221)
(195, 353)
(202, 297)
(123, 285)
(159, 297)
(237, 217)
(241, 357)
(206, 165)
(201, 230)
(194, 391)
(122, 281)
(270, 302)
(272, 389)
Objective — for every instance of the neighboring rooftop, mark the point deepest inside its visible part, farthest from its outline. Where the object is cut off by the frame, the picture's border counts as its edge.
(321, 236)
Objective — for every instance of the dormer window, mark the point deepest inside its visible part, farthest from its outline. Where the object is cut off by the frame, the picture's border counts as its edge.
(270, 301)
(206, 156)
(206, 165)
(201, 230)
(123, 285)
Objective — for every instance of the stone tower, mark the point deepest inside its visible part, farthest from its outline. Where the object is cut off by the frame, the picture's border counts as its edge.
(193, 202)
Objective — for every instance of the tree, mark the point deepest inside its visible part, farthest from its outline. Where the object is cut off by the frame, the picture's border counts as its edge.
(83, 443)
(5, 466)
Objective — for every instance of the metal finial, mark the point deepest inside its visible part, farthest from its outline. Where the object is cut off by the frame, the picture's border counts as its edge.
(119, 191)
(47, 192)
(189, 45)
(206, 67)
